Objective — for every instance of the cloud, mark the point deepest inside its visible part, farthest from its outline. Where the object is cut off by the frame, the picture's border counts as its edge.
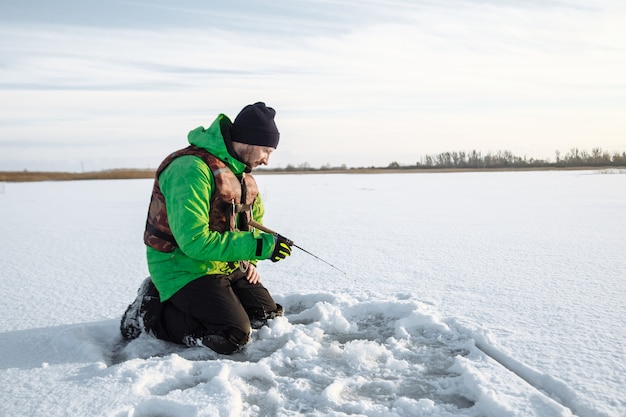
(352, 81)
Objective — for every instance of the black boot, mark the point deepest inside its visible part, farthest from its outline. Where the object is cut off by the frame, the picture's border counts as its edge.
(260, 318)
(142, 316)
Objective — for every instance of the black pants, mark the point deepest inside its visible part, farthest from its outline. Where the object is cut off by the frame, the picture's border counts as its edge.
(216, 305)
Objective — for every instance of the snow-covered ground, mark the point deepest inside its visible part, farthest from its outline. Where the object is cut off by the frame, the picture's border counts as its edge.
(466, 294)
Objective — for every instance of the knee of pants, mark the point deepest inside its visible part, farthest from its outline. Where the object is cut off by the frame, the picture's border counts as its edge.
(237, 336)
(226, 342)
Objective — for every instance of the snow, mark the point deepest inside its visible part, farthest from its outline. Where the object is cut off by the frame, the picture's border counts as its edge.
(466, 294)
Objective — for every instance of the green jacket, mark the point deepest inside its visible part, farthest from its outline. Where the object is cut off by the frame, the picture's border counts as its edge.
(187, 184)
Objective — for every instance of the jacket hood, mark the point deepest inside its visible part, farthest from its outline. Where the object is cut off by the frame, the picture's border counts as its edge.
(213, 141)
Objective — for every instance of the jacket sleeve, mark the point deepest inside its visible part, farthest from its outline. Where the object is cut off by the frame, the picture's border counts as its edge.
(187, 184)
(258, 209)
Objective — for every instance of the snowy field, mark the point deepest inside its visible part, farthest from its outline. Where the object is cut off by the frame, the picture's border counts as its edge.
(466, 294)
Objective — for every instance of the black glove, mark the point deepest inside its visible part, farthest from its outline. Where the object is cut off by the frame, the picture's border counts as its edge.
(282, 248)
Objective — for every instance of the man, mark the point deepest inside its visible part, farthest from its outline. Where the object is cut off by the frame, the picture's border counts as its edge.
(204, 288)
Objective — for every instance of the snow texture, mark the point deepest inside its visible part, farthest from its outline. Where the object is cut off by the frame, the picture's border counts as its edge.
(466, 294)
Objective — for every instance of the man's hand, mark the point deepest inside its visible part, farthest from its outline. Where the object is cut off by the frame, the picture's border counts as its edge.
(252, 274)
(282, 248)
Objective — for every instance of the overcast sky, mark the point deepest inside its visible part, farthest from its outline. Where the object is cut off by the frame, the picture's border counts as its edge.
(90, 85)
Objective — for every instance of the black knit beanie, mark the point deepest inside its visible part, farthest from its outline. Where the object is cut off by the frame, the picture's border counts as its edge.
(255, 125)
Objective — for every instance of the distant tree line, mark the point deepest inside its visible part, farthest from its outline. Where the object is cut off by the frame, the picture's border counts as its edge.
(575, 158)
(506, 159)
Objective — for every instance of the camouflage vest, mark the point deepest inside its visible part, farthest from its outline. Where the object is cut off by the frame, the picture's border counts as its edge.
(230, 205)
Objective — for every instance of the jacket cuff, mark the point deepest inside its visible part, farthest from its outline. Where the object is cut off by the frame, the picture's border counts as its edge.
(264, 246)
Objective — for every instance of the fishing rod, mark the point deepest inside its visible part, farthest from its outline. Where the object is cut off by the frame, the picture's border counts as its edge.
(290, 242)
